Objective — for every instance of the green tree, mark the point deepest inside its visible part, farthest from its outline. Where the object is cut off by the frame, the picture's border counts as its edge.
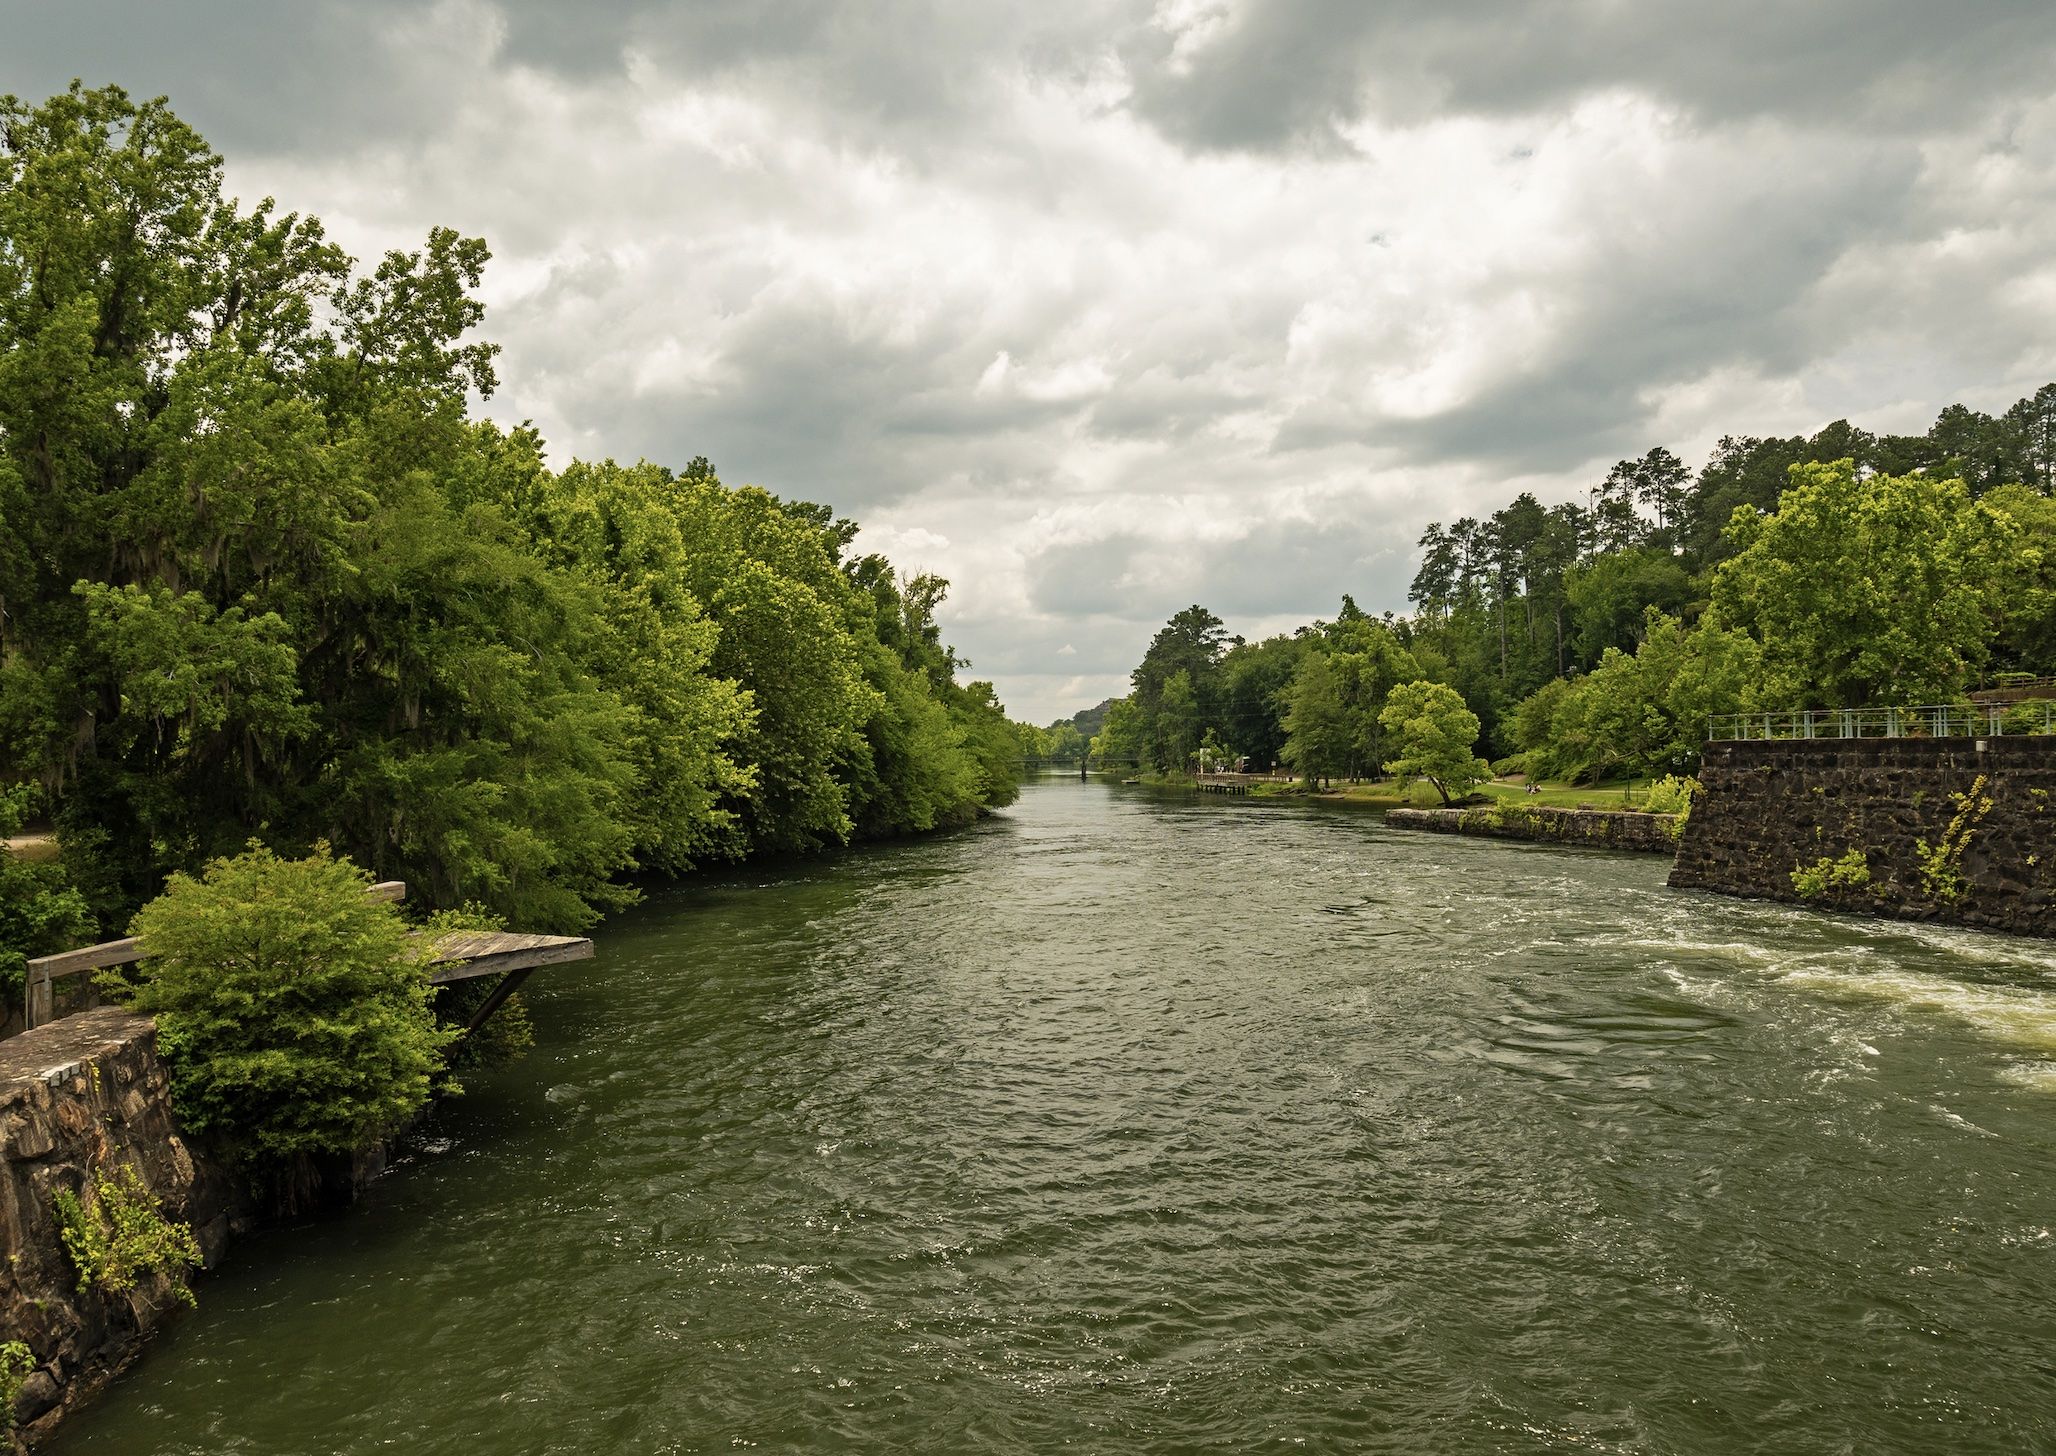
(1879, 589)
(293, 1010)
(1319, 733)
(41, 911)
(1437, 736)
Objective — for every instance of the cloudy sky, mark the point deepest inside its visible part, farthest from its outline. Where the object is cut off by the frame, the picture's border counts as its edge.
(1103, 307)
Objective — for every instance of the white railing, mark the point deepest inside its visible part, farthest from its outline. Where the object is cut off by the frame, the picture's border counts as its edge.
(1947, 720)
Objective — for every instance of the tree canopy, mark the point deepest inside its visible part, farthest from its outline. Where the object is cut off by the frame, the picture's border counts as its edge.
(263, 574)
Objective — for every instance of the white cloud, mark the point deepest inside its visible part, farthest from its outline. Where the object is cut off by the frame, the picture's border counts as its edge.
(1101, 310)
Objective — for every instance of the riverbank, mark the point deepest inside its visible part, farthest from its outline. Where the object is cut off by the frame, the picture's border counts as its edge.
(85, 1102)
(1593, 828)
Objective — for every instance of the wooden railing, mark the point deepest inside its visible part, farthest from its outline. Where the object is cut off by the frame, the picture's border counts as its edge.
(460, 955)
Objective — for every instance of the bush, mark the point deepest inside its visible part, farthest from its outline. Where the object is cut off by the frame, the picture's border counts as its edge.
(115, 1235)
(1671, 795)
(293, 1010)
(2023, 718)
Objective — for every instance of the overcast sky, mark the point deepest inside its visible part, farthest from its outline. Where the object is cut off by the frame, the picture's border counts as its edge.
(1102, 308)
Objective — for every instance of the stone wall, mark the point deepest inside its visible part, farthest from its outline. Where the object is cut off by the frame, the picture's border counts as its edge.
(80, 1095)
(1597, 828)
(1952, 829)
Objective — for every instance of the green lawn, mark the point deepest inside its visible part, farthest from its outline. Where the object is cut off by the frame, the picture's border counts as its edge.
(1614, 794)
(1386, 794)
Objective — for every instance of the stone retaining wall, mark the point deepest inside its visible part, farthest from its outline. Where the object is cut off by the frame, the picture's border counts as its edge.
(1596, 828)
(1767, 809)
(80, 1095)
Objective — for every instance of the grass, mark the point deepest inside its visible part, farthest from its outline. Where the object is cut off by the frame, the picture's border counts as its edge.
(1614, 794)
(1386, 794)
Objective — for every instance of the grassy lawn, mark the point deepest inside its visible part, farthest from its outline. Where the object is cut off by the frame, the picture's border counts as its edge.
(1386, 794)
(1614, 794)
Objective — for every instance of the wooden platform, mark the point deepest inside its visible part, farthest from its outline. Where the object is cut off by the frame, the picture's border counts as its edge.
(462, 955)
(468, 954)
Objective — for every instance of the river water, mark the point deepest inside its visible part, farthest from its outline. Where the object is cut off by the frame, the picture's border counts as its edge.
(1128, 1123)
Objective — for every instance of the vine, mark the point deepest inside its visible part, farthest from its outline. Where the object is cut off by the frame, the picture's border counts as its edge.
(1941, 865)
(116, 1235)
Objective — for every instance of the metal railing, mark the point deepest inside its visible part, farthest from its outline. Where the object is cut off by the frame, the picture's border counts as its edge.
(1946, 720)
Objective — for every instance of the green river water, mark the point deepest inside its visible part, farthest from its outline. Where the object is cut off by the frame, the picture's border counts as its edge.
(1128, 1123)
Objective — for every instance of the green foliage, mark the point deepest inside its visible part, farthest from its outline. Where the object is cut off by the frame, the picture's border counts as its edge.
(1672, 794)
(1827, 876)
(1941, 863)
(259, 573)
(1435, 733)
(17, 1361)
(116, 1235)
(293, 1010)
(508, 1033)
(41, 911)
(1874, 589)
(2029, 718)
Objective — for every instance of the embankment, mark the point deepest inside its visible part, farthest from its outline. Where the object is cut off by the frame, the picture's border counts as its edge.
(1951, 829)
(1597, 828)
(88, 1095)
(83, 1095)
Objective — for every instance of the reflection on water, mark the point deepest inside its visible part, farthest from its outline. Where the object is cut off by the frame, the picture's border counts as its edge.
(1124, 1123)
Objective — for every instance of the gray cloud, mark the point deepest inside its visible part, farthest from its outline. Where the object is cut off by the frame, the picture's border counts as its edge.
(1104, 309)
(1294, 72)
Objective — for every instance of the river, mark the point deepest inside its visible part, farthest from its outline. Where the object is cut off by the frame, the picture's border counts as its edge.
(1127, 1123)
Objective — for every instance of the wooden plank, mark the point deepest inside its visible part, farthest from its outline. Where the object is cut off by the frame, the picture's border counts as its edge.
(459, 956)
(509, 984)
(41, 1002)
(515, 953)
(91, 958)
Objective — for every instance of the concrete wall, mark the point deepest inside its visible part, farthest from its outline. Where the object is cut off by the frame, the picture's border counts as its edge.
(1597, 828)
(1766, 809)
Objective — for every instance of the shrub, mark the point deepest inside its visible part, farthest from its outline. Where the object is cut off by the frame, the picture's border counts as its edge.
(293, 1010)
(1672, 795)
(115, 1235)
(16, 1361)
(2022, 718)
(1941, 864)
(1824, 875)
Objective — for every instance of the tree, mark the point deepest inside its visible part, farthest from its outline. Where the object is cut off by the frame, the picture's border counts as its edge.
(1436, 734)
(1317, 725)
(2034, 424)
(1885, 589)
(1610, 595)
(1178, 723)
(293, 1009)
(41, 911)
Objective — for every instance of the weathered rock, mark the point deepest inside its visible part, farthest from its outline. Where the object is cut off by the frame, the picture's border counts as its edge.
(1597, 828)
(1768, 808)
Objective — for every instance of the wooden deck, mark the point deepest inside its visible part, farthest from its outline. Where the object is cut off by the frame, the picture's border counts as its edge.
(463, 955)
